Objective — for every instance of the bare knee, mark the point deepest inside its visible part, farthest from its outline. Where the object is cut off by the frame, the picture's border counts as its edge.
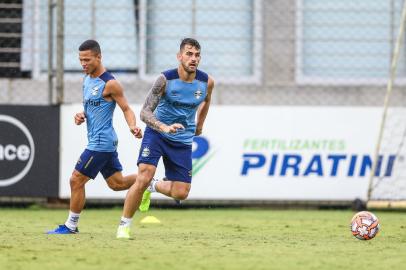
(144, 177)
(77, 181)
(143, 182)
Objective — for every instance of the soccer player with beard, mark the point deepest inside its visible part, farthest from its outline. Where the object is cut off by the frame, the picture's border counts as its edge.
(174, 111)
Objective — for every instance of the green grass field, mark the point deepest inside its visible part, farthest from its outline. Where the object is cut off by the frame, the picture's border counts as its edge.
(201, 239)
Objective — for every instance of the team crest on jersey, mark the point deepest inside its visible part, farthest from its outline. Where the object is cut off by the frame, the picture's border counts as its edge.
(198, 94)
(145, 152)
(95, 90)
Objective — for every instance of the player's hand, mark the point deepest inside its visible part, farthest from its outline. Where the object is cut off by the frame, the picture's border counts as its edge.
(198, 131)
(136, 131)
(172, 128)
(80, 118)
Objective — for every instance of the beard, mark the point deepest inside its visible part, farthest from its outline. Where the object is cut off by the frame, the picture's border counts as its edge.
(188, 69)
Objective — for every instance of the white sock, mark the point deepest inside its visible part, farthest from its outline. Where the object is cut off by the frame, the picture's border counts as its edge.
(125, 222)
(154, 182)
(72, 221)
(152, 185)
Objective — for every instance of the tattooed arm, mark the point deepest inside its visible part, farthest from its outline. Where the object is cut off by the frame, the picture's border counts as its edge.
(150, 104)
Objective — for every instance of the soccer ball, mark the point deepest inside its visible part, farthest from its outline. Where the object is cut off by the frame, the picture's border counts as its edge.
(364, 225)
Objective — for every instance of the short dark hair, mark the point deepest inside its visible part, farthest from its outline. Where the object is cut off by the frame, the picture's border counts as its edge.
(90, 44)
(189, 41)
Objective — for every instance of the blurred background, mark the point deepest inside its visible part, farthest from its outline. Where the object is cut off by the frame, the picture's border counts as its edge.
(285, 55)
(268, 52)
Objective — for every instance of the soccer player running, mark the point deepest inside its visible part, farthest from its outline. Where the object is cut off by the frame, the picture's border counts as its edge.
(169, 112)
(101, 92)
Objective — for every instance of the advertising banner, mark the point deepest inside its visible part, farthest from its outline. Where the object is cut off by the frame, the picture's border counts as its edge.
(29, 151)
(256, 153)
(288, 153)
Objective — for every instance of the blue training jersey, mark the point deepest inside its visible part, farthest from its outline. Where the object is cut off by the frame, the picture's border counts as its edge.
(180, 103)
(99, 114)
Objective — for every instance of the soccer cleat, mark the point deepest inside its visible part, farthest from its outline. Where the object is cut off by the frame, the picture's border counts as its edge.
(146, 201)
(123, 232)
(146, 197)
(62, 229)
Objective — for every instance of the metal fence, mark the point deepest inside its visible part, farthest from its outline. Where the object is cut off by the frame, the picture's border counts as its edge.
(260, 52)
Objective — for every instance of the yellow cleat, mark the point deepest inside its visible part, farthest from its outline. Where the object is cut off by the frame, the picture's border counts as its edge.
(145, 202)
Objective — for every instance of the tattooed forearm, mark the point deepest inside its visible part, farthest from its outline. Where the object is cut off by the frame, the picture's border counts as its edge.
(151, 102)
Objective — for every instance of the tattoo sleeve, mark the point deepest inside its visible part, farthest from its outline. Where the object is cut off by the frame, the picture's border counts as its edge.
(151, 102)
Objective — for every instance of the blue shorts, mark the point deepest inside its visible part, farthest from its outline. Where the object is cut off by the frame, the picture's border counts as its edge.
(91, 163)
(177, 156)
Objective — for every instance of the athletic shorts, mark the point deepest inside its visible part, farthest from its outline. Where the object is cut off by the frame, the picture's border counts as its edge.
(177, 157)
(91, 163)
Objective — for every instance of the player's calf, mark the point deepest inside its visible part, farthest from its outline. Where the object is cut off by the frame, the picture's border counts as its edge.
(179, 190)
(180, 194)
(117, 182)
